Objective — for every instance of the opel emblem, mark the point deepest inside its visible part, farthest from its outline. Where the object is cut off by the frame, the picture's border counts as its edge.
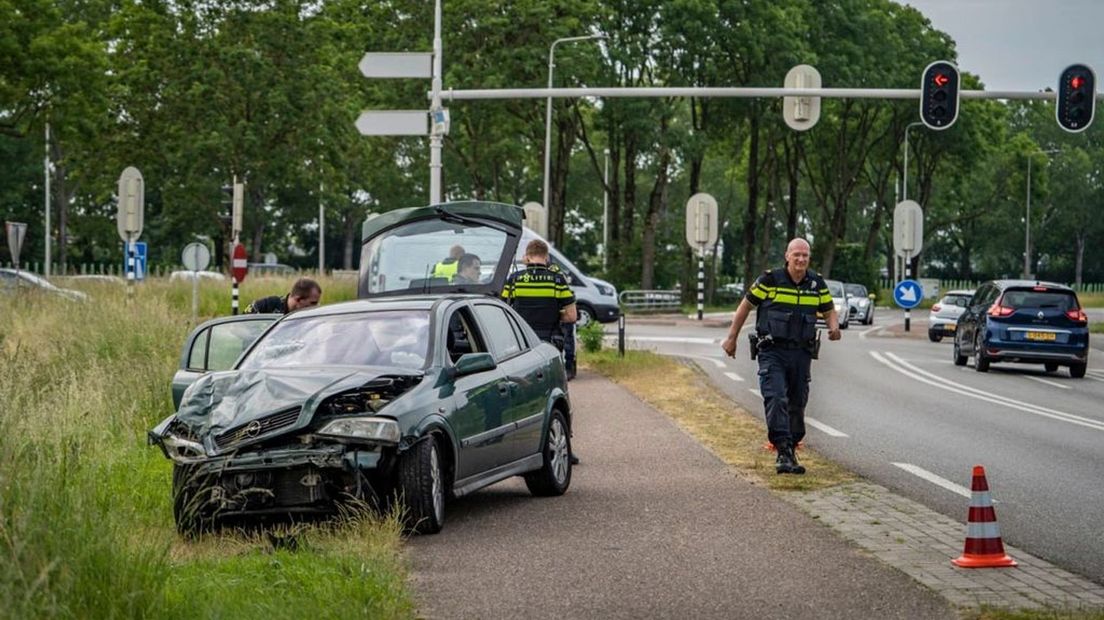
(252, 429)
(1040, 315)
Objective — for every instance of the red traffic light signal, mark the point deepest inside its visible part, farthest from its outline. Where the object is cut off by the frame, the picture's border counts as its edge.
(1076, 98)
(939, 95)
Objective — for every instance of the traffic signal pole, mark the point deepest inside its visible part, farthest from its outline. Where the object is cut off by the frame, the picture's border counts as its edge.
(730, 92)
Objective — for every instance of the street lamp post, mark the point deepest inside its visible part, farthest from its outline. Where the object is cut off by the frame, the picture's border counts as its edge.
(548, 107)
(1027, 215)
(906, 262)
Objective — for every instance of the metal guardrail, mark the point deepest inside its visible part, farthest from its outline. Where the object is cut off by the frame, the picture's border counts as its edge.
(650, 301)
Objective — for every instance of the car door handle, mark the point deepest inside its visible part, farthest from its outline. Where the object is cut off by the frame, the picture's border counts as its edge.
(505, 387)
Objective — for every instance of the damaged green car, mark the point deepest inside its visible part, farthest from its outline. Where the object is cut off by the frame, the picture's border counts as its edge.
(414, 395)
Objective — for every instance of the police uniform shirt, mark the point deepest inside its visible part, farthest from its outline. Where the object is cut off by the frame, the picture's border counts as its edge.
(268, 305)
(539, 294)
(787, 310)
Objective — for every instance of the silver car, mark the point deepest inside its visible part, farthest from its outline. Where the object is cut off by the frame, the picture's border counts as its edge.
(861, 304)
(840, 300)
(944, 314)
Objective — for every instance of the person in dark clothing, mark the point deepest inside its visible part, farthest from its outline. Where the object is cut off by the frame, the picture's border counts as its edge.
(467, 270)
(542, 297)
(304, 294)
(787, 301)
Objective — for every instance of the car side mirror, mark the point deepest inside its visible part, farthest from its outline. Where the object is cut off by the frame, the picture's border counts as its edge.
(471, 363)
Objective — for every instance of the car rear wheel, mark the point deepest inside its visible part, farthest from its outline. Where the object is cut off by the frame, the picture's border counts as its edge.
(981, 363)
(554, 476)
(1077, 371)
(1051, 367)
(934, 336)
(959, 358)
(422, 488)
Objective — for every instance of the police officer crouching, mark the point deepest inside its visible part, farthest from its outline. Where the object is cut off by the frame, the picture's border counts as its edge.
(787, 302)
(542, 297)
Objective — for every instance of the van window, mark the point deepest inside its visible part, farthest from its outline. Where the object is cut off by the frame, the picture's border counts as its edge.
(1029, 298)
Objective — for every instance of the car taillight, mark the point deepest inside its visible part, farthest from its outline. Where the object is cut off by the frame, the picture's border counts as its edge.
(1077, 316)
(999, 310)
(936, 308)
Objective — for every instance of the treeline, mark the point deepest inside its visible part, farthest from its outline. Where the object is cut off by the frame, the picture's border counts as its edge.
(195, 92)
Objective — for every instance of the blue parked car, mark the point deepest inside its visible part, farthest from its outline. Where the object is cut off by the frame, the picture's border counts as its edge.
(1023, 321)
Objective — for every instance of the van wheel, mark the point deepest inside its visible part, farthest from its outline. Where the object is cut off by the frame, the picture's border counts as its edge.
(1077, 371)
(586, 315)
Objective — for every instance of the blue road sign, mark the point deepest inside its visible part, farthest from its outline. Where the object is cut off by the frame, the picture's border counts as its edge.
(908, 293)
(139, 260)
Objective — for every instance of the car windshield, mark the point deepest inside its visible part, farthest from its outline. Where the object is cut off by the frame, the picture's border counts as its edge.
(386, 338)
(1032, 298)
(835, 289)
(428, 253)
(856, 290)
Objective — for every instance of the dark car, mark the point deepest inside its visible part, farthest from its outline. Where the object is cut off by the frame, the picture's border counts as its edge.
(413, 395)
(1023, 321)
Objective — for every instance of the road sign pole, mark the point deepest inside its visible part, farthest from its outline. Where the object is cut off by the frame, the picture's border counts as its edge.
(908, 276)
(701, 280)
(234, 295)
(195, 297)
(130, 268)
(435, 138)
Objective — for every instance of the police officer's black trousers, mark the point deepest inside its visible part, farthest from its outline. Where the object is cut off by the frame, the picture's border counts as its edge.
(784, 382)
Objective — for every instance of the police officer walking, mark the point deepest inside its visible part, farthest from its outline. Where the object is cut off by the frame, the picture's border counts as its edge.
(787, 301)
(542, 297)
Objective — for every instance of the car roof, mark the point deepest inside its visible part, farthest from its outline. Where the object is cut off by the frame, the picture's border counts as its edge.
(959, 291)
(1007, 284)
(378, 304)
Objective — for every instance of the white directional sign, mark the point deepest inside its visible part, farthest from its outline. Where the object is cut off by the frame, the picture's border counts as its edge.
(236, 208)
(701, 221)
(397, 65)
(132, 204)
(393, 123)
(801, 113)
(908, 228)
(536, 218)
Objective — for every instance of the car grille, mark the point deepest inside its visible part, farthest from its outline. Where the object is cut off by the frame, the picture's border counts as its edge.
(257, 428)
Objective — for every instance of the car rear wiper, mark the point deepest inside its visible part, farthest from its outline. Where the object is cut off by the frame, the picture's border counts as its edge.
(456, 218)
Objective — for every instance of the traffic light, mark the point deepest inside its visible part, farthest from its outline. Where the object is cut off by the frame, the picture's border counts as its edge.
(1076, 98)
(939, 95)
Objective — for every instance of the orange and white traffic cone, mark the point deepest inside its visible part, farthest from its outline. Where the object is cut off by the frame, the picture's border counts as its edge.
(984, 548)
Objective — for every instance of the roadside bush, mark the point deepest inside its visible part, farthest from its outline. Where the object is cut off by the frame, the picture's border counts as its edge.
(591, 337)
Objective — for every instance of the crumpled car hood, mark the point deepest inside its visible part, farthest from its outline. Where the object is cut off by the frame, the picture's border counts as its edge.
(220, 401)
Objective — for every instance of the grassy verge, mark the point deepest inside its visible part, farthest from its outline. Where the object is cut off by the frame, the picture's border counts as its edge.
(733, 434)
(1096, 328)
(86, 528)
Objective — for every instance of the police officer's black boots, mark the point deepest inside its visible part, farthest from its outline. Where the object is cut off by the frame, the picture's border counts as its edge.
(786, 463)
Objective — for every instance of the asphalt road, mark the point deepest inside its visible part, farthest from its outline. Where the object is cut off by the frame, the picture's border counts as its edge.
(653, 526)
(897, 411)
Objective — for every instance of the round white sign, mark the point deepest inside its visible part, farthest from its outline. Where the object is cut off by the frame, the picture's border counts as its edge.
(196, 256)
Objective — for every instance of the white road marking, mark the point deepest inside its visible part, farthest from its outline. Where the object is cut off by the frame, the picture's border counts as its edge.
(712, 360)
(934, 479)
(899, 365)
(1048, 382)
(872, 330)
(824, 428)
(734, 376)
(668, 339)
(756, 392)
(1094, 378)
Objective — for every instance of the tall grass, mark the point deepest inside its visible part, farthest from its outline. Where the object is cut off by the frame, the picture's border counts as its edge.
(86, 527)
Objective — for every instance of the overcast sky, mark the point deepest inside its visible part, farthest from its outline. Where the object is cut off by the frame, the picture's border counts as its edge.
(1020, 44)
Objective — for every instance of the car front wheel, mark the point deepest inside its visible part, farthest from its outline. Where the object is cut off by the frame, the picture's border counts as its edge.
(554, 476)
(422, 487)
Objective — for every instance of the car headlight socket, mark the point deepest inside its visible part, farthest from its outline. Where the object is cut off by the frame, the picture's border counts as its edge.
(367, 428)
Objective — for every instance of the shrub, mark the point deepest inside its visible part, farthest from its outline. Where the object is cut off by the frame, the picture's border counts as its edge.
(591, 337)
